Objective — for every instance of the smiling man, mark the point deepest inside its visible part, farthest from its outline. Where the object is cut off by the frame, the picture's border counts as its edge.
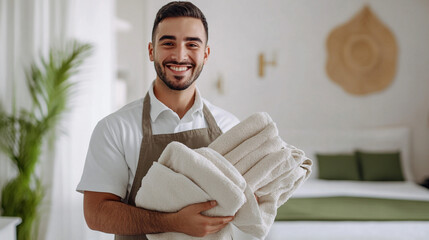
(125, 144)
(181, 53)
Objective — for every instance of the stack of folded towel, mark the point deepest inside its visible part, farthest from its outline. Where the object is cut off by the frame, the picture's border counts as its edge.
(248, 160)
(272, 169)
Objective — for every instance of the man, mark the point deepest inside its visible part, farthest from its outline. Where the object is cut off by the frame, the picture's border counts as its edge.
(125, 143)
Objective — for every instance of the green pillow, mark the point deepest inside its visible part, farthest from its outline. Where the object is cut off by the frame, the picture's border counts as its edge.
(338, 167)
(380, 166)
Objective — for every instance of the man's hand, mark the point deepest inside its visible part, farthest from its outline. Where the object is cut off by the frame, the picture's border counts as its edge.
(190, 220)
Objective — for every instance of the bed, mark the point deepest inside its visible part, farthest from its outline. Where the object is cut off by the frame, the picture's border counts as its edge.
(342, 207)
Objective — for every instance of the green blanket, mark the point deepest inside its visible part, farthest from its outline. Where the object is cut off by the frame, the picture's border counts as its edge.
(352, 209)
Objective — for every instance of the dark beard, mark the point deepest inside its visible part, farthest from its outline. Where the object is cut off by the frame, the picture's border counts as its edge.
(170, 84)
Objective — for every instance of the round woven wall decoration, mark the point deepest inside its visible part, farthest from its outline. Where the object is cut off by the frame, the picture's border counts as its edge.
(362, 54)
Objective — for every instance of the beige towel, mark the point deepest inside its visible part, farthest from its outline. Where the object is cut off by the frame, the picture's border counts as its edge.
(244, 164)
(183, 176)
(293, 159)
(273, 179)
(276, 193)
(251, 144)
(241, 132)
(268, 168)
(249, 217)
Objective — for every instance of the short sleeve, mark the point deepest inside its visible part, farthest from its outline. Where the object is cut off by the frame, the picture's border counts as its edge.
(105, 167)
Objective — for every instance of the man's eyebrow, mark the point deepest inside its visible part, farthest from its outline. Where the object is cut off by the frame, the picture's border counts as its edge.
(194, 39)
(169, 37)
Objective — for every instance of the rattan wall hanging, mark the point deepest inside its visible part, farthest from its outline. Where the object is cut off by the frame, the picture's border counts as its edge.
(362, 54)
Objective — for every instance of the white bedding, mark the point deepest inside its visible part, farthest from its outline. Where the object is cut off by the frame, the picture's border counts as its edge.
(391, 190)
(349, 231)
(355, 230)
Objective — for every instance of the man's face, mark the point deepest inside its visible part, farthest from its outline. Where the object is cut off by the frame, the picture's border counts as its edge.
(179, 51)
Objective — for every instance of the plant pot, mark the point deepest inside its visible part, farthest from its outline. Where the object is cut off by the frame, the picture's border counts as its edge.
(21, 198)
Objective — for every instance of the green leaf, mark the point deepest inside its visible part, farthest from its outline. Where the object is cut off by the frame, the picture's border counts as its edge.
(22, 134)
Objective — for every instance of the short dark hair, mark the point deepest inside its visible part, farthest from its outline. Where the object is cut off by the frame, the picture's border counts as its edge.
(179, 9)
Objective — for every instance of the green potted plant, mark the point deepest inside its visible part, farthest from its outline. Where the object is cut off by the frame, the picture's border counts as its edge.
(23, 132)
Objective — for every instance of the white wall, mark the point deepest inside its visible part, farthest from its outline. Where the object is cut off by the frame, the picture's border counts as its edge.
(132, 47)
(297, 93)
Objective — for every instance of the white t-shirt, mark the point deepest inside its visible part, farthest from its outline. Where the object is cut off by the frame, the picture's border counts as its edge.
(114, 148)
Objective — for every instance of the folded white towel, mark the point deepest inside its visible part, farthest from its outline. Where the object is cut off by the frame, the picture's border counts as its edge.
(293, 159)
(262, 172)
(276, 193)
(283, 187)
(168, 186)
(273, 179)
(249, 145)
(249, 217)
(224, 166)
(270, 146)
(204, 172)
(183, 176)
(240, 132)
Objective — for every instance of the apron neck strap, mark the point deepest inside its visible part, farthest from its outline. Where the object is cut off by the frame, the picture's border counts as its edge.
(211, 122)
(146, 120)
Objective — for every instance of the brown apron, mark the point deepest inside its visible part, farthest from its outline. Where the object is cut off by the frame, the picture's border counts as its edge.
(153, 145)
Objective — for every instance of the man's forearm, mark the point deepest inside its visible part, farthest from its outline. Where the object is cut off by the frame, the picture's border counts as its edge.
(115, 217)
(106, 213)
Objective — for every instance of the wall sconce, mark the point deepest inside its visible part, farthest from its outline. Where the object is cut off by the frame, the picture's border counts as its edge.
(220, 85)
(263, 63)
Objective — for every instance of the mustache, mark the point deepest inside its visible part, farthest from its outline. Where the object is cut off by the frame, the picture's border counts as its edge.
(179, 63)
